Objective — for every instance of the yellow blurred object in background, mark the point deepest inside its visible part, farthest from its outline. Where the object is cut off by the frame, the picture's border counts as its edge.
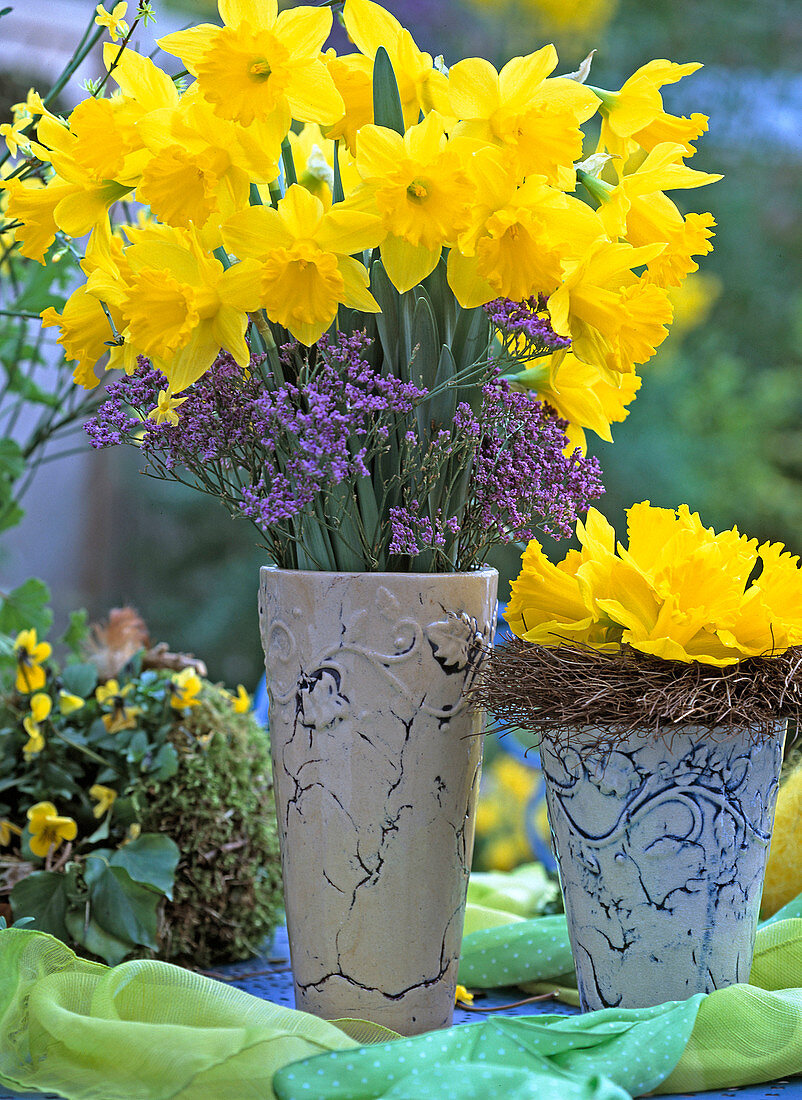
(783, 880)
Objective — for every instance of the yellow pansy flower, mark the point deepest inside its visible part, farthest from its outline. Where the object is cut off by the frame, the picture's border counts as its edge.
(261, 64)
(105, 797)
(48, 829)
(299, 266)
(462, 996)
(114, 20)
(421, 86)
(7, 830)
(241, 702)
(421, 191)
(69, 703)
(29, 654)
(120, 716)
(535, 119)
(36, 740)
(187, 686)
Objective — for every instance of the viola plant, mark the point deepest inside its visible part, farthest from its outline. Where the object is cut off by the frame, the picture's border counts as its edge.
(352, 283)
(83, 758)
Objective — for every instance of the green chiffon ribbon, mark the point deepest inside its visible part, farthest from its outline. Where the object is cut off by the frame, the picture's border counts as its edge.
(147, 1030)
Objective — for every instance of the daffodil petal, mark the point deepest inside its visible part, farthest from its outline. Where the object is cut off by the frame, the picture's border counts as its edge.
(355, 278)
(301, 213)
(470, 289)
(259, 13)
(190, 45)
(473, 88)
(229, 327)
(305, 27)
(349, 231)
(313, 96)
(370, 26)
(407, 264)
(521, 78)
(252, 233)
(379, 151)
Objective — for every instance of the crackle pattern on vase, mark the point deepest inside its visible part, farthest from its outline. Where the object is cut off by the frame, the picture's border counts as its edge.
(662, 846)
(376, 761)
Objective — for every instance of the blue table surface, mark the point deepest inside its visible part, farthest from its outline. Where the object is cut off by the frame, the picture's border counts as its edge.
(271, 979)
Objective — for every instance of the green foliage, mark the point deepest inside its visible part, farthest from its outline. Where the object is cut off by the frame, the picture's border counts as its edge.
(219, 808)
(106, 765)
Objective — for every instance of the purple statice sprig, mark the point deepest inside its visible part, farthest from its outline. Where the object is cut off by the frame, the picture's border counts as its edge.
(524, 329)
(510, 479)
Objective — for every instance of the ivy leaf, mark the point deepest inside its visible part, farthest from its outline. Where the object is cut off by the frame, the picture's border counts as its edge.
(90, 935)
(165, 763)
(151, 859)
(80, 679)
(25, 608)
(124, 908)
(42, 895)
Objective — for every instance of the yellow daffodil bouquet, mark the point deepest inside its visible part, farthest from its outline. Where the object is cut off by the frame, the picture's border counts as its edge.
(681, 625)
(135, 799)
(369, 301)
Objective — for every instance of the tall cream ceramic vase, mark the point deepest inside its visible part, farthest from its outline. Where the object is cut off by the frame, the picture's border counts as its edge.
(662, 846)
(376, 761)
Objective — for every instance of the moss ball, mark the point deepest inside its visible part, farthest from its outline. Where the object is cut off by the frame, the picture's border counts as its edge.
(219, 810)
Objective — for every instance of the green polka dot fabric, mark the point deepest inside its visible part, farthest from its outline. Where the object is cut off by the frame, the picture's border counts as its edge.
(609, 1055)
(525, 951)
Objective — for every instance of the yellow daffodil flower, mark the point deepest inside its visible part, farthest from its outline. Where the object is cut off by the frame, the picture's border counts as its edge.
(164, 412)
(241, 702)
(29, 654)
(535, 119)
(462, 996)
(638, 105)
(84, 334)
(586, 395)
(637, 210)
(7, 830)
(105, 797)
(421, 86)
(187, 686)
(678, 591)
(69, 703)
(120, 716)
(261, 64)
(114, 20)
(48, 829)
(421, 191)
(613, 318)
(353, 79)
(178, 304)
(518, 237)
(301, 267)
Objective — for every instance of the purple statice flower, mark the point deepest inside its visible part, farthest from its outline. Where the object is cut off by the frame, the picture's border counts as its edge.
(528, 318)
(323, 426)
(412, 533)
(113, 423)
(522, 479)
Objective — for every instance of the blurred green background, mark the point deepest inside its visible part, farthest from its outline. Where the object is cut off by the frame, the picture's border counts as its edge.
(718, 421)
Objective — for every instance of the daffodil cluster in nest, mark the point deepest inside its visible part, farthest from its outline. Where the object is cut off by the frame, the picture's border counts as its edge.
(682, 625)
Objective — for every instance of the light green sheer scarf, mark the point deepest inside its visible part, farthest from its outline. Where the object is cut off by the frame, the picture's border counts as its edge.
(150, 1031)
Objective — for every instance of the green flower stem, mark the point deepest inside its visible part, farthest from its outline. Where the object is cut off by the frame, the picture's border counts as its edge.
(98, 759)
